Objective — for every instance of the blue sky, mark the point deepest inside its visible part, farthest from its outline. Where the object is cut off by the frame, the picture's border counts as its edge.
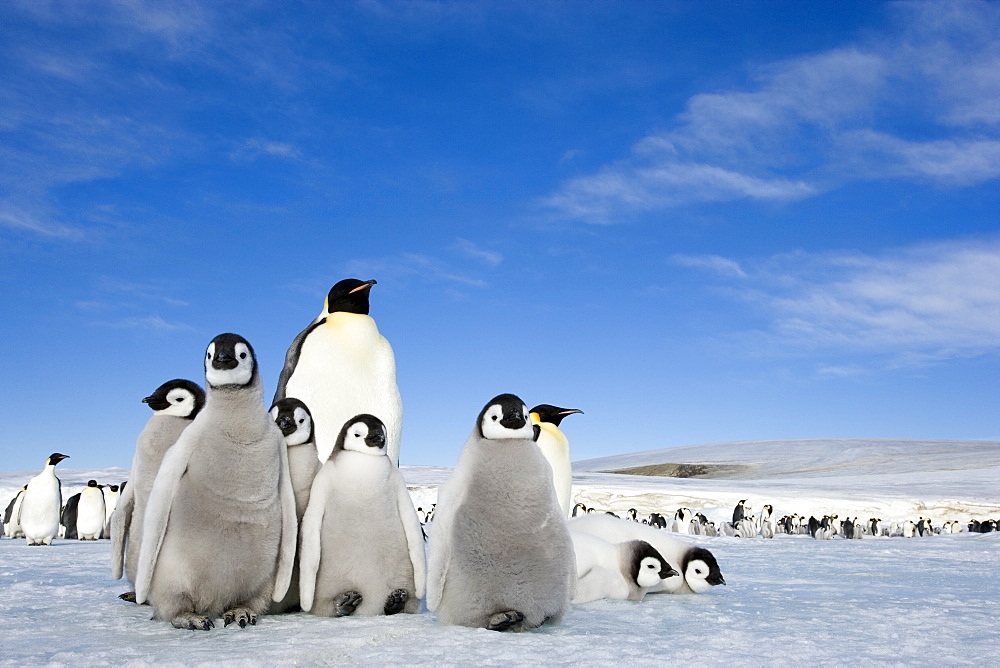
(696, 222)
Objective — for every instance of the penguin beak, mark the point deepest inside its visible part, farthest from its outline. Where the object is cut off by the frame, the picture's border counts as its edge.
(376, 440)
(668, 572)
(364, 286)
(223, 360)
(156, 403)
(286, 424)
(513, 420)
(570, 411)
(715, 580)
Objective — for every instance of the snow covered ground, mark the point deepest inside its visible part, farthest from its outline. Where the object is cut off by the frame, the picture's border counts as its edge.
(791, 600)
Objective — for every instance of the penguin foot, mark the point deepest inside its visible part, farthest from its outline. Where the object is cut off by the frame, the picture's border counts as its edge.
(128, 596)
(396, 601)
(347, 603)
(189, 620)
(504, 621)
(242, 616)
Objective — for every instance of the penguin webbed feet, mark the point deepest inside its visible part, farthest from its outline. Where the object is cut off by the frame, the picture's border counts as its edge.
(189, 620)
(128, 596)
(506, 621)
(347, 603)
(242, 616)
(396, 601)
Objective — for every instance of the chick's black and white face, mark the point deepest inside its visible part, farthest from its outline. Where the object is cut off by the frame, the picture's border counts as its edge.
(649, 572)
(365, 437)
(180, 403)
(506, 420)
(228, 361)
(295, 424)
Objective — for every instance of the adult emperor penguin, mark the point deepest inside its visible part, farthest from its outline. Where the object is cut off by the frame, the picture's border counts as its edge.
(90, 512)
(41, 504)
(555, 446)
(111, 495)
(219, 530)
(698, 567)
(295, 422)
(68, 517)
(11, 527)
(623, 571)
(362, 547)
(175, 404)
(341, 366)
(500, 554)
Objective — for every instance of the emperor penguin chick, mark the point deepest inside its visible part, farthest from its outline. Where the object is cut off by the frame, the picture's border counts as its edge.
(38, 514)
(295, 422)
(341, 366)
(219, 530)
(362, 547)
(698, 567)
(555, 446)
(623, 571)
(175, 404)
(500, 554)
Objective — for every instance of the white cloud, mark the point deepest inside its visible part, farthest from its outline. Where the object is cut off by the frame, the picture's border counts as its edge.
(913, 306)
(716, 263)
(152, 322)
(473, 251)
(807, 125)
(252, 149)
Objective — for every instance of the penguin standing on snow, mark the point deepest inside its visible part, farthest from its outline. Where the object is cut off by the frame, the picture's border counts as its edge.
(11, 527)
(90, 512)
(219, 530)
(175, 404)
(111, 495)
(500, 554)
(295, 422)
(362, 547)
(698, 567)
(341, 366)
(68, 517)
(555, 446)
(41, 504)
(623, 571)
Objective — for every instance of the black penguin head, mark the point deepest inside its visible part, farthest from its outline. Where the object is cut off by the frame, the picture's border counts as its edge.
(349, 296)
(114, 488)
(294, 420)
(362, 433)
(177, 397)
(230, 362)
(505, 417)
(55, 458)
(647, 566)
(91, 483)
(551, 414)
(701, 569)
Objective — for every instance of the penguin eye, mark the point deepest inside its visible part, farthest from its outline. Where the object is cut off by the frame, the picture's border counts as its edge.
(179, 399)
(494, 418)
(243, 356)
(302, 420)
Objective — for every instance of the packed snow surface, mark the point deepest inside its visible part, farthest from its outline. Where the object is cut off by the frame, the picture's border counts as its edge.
(791, 600)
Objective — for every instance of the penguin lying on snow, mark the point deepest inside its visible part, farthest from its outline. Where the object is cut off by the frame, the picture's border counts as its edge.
(41, 504)
(362, 545)
(623, 571)
(697, 566)
(219, 531)
(175, 404)
(500, 553)
(341, 366)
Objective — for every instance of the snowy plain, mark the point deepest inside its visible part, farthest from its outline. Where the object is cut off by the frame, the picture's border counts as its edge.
(791, 600)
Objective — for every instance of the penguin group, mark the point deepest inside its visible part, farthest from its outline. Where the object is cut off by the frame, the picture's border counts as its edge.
(304, 504)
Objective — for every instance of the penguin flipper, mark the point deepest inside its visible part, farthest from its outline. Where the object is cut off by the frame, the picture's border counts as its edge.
(414, 534)
(292, 359)
(121, 520)
(289, 528)
(311, 540)
(161, 498)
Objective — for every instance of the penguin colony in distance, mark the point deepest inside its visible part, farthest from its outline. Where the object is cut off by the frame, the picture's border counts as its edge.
(222, 496)
(500, 553)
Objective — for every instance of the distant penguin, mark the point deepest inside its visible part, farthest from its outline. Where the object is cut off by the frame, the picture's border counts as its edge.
(42, 504)
(175, 404)
(341, 366)
(90, 512)
(68, 517)
(740, 511)
(698, 567)
(11, 527)
(623, 571)
(362, 546)
(768, 525)
(555, 446)
(111, 495)
(500, 556)
(219, 530)
(579, 509)
(682, 520)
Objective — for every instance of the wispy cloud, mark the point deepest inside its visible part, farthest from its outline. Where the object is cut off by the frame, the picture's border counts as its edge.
(913, 306)
(808, 125)
(470, 249)
(716, 263)
(252, 149)
(152, 322)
